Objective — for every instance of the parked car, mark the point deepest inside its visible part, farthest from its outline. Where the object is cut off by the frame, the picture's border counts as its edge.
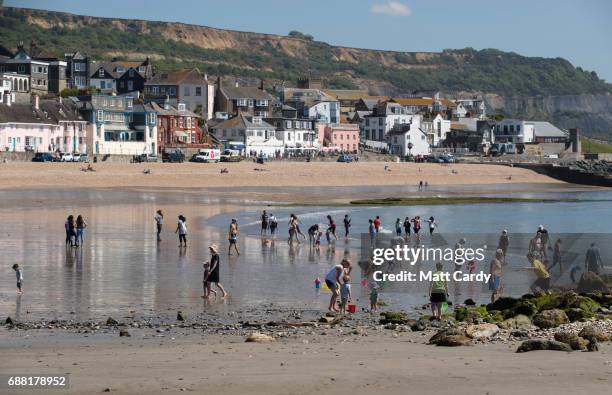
(176, 156)
(230, 156)
(447, 158)
(345, 158)
(83, 158)
(67, 157)
(208, 155)
(409, 158)
(144, 158)
(42, 157)
(76, 157)
(433, 159)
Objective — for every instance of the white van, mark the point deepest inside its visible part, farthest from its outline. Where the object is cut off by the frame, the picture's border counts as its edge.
(208, 155)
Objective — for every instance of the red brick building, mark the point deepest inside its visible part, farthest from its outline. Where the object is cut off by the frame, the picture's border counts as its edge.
(176, 127)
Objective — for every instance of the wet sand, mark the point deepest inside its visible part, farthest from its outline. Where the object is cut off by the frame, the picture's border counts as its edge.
(379, 362)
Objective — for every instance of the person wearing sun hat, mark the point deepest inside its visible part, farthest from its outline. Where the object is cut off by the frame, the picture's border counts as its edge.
(213, 276)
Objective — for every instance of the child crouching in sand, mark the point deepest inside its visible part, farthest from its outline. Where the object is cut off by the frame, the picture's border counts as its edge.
(206, 285)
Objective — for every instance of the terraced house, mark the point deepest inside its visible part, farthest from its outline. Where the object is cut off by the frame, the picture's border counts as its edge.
(187, 86)
(177, 127)
(118, 126)
(235, 99)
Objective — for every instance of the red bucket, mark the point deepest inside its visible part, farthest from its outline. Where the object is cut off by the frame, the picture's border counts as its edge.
(351, 308)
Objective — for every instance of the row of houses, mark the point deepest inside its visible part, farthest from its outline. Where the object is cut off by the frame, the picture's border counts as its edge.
(135, 110)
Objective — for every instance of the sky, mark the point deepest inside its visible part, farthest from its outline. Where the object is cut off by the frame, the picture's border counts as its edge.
(579, 30)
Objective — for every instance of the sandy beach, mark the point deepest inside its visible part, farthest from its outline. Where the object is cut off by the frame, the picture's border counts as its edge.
(339, 363)
(249, 174)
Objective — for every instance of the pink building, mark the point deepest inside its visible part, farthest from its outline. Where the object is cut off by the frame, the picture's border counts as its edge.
(341, 137)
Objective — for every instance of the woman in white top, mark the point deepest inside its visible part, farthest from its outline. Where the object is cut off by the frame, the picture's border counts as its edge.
(332, 280)
(181, 229)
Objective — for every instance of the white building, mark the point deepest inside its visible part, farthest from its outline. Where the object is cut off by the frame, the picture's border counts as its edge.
(255, 135)
(325, 111)
(385, 116)
(436, 129)
(408, 138)
(514, 131)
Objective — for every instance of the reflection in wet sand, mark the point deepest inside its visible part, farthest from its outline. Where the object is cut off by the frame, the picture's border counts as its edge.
(123, 270)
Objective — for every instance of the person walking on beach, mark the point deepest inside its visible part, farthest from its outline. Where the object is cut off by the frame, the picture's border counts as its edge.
(80, 229)
(297, 227)
(213, 276)
(421, 185)
(332, 280)
(377, 223)
(67, 229)
(331, 228)
(292, 229)
(19, 276)
(273, 224)
(495, 269)
(264, 223)
(347, 225)
(438, 292)
(407, 227)
(233, 237)
(71, 231)
(432, 225)
(398, 227)
(371, 231)
(592, 260)
(159, 221)
(544, 239)
(206, 284)
(181, 229)
(503, 243)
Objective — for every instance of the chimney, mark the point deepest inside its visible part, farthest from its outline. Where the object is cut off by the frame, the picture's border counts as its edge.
(574, 137)
(167, 103)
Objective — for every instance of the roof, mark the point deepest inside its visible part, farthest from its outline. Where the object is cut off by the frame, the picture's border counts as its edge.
(422, 101)
(546, 129)
(245, 92)
(160, 110)
(242, 122)
(346, 94)
(50, 112)
(177, 77)
(111, 67)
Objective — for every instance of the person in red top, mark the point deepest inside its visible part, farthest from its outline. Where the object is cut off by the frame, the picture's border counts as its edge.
(377, 224)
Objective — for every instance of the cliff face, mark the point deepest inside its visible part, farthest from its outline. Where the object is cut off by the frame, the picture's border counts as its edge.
(514, 85)
(590, 112)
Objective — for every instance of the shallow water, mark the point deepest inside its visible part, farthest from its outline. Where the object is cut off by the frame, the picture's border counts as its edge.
(121, 267)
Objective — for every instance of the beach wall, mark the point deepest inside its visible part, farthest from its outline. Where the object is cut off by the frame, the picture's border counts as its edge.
(8, 156)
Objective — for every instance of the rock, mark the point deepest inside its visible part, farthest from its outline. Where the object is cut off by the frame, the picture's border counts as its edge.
(501, 304)
(108, 389)
(454, 341)
(550, 319)
(124, 333)
(574, 341)
(591, 282)
(8, 321)
(590, 332)
(539, 344)
(520, 334)
(110, 321)
(578, 343)
(418, 326)
(469, 302)
(517, 322)
(259, 338)
(576, 314)
(444, 333)
(481, 331)
(391, 326)
(393, 317)
(180, 316)
(604, 311)
(593, 345)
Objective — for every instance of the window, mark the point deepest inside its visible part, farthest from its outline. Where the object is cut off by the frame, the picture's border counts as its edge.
(141, 69)
(367, 122)
(120, 69)
(259, 133)
(181, 106)
(101, 72)
(287, 124)
(79, 67)
(172, 91)
(380, 121)
(131, 73)
(155, 90)
(518, 128)
(21, 68)
(241, 102)
(250, 102)
(100, 115)
(186, 91)
(198, 91)
(130, 85)
(102, 84)
(262, 103)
